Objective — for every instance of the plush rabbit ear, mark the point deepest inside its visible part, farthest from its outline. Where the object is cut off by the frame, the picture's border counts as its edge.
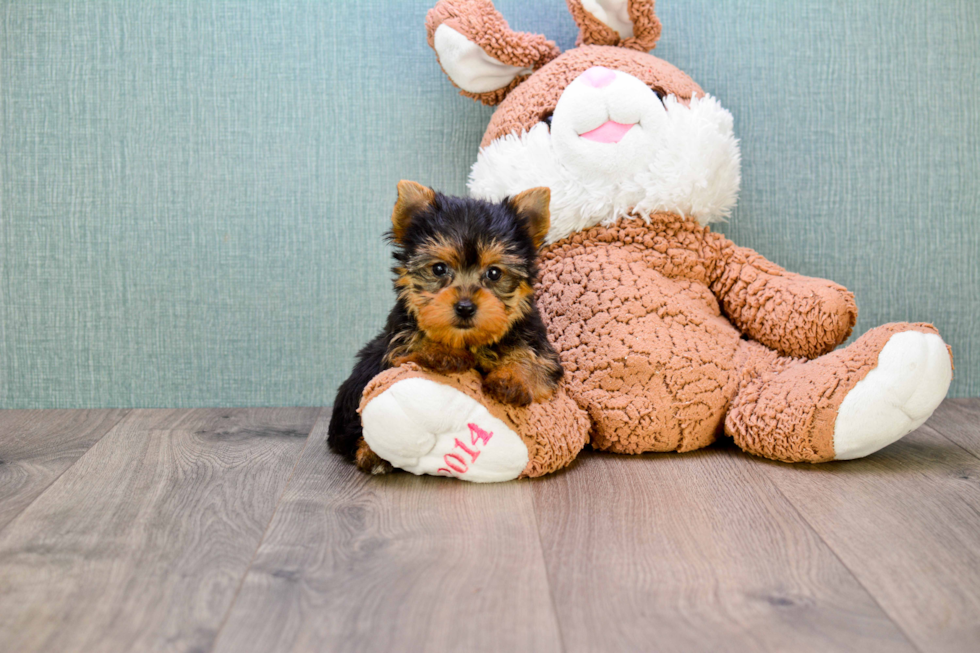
(480, 53)
(627, 23)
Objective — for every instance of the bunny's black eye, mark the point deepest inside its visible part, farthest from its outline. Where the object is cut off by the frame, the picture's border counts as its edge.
(440, 269)
(660, 94)
(546, 118)
(494, 274)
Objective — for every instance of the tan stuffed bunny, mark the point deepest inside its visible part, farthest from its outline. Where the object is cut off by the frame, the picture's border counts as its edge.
(669, 334)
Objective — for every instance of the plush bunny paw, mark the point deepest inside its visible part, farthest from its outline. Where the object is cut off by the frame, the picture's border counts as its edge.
(896, 397)
(426, 427)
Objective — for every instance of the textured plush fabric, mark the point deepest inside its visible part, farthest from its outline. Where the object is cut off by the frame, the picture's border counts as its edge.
(636, 313)
(192, 194)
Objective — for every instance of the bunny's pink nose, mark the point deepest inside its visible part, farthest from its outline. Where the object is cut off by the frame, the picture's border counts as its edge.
(598, 77)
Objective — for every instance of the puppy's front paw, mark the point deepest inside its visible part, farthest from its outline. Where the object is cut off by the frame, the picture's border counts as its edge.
(439, 359)
(451, 363)
(509, 386)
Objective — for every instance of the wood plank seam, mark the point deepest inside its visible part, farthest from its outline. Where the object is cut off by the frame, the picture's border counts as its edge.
(547, 575)
(125, 413)
(949, 439)
(164, 510)
(856, 578)
(265, 532)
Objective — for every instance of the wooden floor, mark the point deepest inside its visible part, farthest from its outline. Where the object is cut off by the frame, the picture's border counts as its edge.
(234, 530)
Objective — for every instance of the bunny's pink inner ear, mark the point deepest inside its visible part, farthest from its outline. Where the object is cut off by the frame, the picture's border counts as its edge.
(479, 52)
(629, 24)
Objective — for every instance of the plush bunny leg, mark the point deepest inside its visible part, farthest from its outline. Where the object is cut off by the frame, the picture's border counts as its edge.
(843, 405)
(426, 423)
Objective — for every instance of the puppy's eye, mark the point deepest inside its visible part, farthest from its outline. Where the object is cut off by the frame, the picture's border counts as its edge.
(494, 274)
(440, 269)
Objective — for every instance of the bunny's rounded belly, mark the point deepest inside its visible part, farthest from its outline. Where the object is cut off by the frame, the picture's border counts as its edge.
(645, 347)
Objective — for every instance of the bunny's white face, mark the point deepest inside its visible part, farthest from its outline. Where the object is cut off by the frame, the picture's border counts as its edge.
(610, 129)
(613, 147)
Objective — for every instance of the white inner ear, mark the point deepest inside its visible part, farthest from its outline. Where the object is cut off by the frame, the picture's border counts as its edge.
(470, 68)
(614, 13)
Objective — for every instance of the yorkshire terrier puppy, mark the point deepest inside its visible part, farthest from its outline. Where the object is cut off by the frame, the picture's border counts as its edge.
(465, 271)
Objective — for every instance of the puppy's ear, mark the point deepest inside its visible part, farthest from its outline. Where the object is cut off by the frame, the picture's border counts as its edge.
(534, 205)
(629, 24)
(480, 53)
(412, 198)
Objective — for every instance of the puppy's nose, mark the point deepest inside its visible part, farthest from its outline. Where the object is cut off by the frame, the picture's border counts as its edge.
(598, 77)
(465, 308)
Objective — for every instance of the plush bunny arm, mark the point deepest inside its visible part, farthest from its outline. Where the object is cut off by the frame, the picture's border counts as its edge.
(795, 315)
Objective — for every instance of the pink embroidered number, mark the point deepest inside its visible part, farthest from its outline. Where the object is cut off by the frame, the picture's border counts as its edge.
(460, 465)
(476, 433)
(455, 462)
(473, 454)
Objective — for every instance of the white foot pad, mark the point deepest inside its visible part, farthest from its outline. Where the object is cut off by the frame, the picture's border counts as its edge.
(896, 397)
(426, 427)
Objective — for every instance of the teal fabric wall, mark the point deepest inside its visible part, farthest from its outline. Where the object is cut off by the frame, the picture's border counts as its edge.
(193, 191)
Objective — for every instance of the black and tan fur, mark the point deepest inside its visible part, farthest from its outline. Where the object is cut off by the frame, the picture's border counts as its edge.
(455, 256)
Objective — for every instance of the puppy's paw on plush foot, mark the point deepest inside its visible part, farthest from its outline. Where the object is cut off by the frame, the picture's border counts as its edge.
(508, 387)
(426, 427)
(452, 364)
(439, 359)
(896, 397)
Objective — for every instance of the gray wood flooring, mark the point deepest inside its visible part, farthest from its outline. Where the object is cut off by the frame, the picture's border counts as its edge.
(234, 530)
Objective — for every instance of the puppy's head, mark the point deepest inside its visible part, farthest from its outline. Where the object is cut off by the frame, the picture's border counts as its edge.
(465, 267)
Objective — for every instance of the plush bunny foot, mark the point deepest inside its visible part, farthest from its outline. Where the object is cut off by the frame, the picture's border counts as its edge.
(426, 427)
(842, 405)
(896, 397)
(446, 425)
